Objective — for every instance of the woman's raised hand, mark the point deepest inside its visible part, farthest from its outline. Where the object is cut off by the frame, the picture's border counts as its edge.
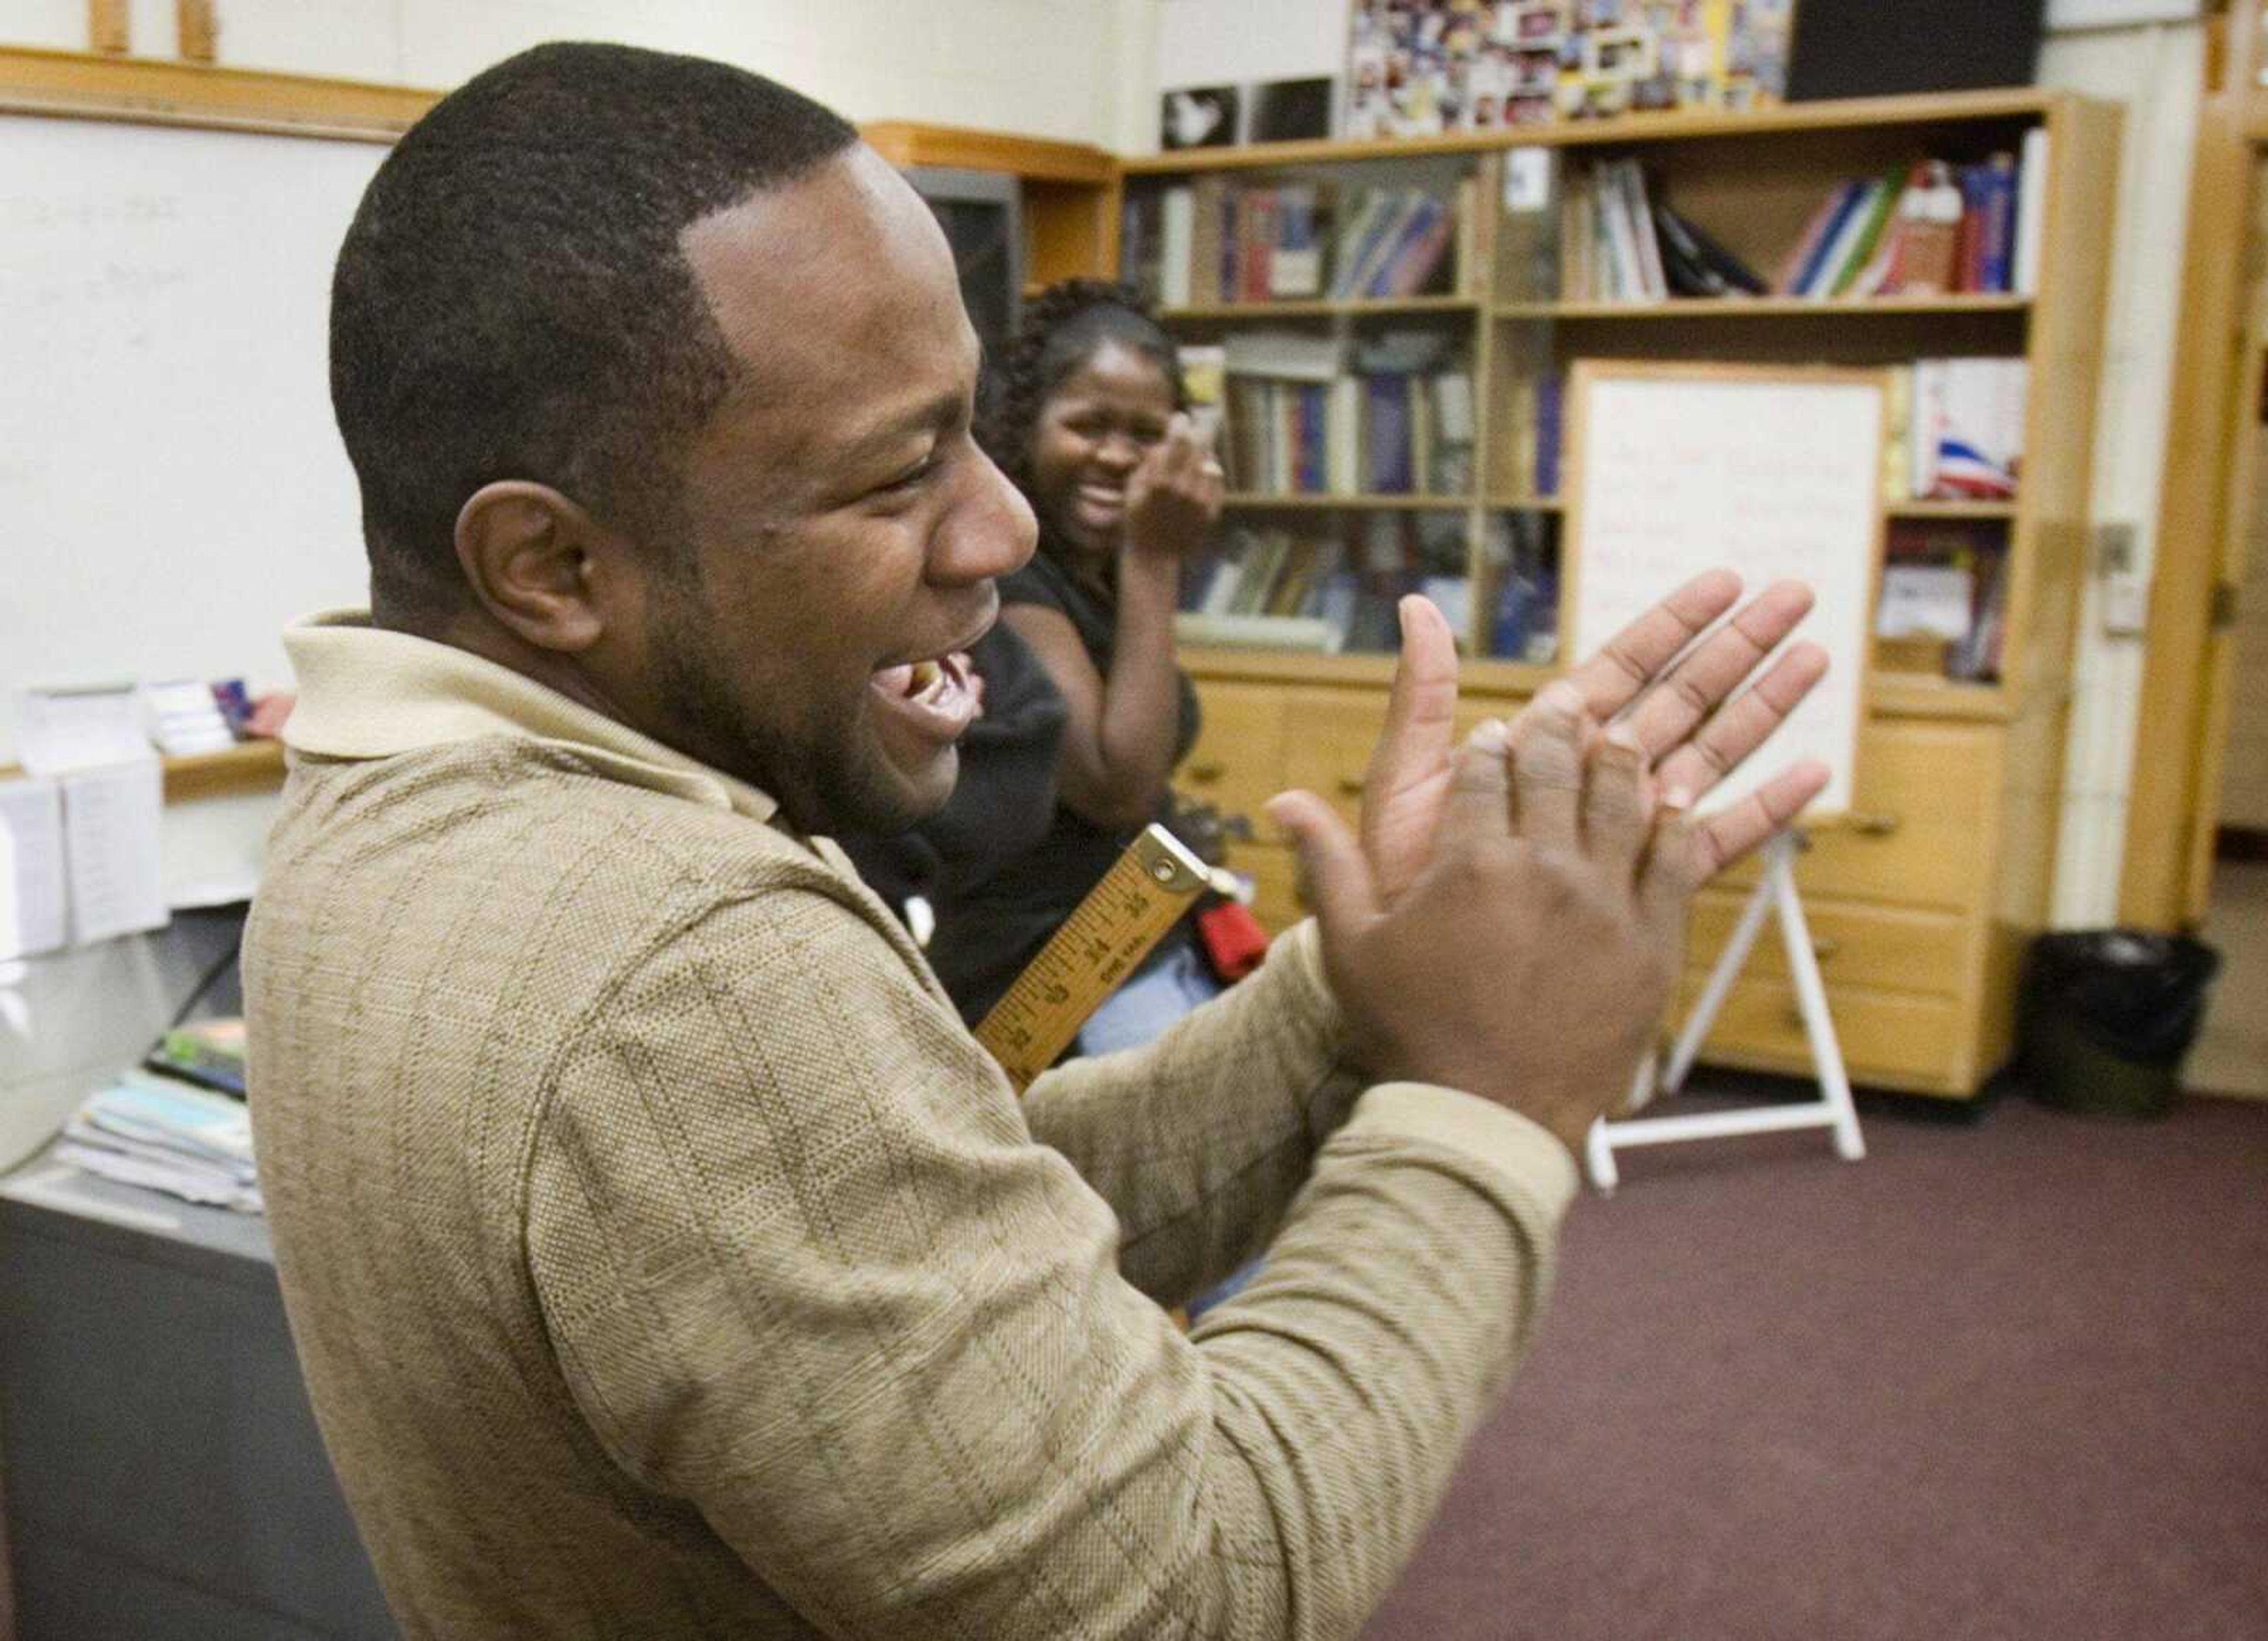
(1172, 501)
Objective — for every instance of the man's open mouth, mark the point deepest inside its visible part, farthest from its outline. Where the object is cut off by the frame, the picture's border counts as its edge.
(937, 698)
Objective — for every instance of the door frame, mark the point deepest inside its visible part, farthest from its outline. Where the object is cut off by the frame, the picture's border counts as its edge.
(2203, 515)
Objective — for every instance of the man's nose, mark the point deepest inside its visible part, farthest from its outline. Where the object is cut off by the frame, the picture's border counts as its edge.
(988, 533)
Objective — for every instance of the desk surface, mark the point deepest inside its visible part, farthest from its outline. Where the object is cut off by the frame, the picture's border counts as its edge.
(70, 1020)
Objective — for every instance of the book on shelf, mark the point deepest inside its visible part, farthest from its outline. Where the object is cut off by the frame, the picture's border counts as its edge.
(1520, 560)
(1394, 243)
(1944, 595)
(1525, 433)
(1304, 418)
(1932, 228)
(1619, 243)
(1696, 264)
(1210, 240)
(1205, 385)
(1320, 591)
(1965, 428)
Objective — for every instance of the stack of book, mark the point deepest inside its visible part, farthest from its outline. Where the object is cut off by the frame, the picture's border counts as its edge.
(1298, 421)
(1271, 587)
(169, 1136)
(1394, 242)
(1208, 241)
(1619, 244)
(1957, 430)
(207, 1053)
(1944, 597)
(1935, 229)
(1308, 591)
(178, 1124)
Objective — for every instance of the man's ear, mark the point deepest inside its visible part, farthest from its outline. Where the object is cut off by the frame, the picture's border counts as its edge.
(538, 563)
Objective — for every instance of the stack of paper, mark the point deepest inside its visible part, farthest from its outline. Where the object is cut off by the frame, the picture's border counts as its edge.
(168, 1136)
(81, 854)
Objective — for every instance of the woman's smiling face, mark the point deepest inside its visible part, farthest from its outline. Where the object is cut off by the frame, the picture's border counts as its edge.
(1095, 428)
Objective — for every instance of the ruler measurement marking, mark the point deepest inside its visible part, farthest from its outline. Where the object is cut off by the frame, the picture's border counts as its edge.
(1104, 939)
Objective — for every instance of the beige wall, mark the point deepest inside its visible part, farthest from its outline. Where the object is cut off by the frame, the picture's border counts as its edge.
(1048, 67)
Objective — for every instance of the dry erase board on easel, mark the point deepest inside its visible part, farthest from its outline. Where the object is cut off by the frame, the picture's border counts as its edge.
(173, 490)
(1674, 469)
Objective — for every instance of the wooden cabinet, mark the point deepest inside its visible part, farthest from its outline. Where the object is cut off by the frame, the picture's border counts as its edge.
(1259, 739)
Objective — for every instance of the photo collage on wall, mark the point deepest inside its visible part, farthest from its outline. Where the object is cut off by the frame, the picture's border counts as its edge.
(1420, 68)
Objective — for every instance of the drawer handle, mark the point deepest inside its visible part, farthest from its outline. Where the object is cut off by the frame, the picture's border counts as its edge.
(1206, 770)
(1874, 825)
(1352, 784)
(1824, 947)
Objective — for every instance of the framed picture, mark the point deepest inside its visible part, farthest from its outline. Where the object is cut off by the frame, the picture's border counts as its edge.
(1203, 116)
(1530, 24)
(1621, 54)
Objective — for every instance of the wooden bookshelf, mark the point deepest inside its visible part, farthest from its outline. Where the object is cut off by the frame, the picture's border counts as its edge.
(1383, 307)
(1763, 307)
(1251, 501)
(1958, 780)
(1911, 509)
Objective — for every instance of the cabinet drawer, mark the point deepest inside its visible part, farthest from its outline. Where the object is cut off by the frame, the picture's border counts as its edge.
(1887, 1037)
(1857, 946)
(1329, 738)
(1275, 873)
(1922, 823)
(1237, 763)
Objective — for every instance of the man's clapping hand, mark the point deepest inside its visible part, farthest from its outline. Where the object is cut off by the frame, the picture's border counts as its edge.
(1512, 918)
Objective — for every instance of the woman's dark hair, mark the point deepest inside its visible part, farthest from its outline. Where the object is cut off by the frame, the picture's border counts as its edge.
(1064, 327)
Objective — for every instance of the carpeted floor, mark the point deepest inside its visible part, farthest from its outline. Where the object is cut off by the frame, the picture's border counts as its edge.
(2006, 1378)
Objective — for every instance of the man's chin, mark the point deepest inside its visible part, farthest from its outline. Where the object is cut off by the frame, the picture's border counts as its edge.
(894, 798)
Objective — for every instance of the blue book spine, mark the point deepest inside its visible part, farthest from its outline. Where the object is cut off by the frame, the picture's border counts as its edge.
(1997, 188)
(1847, 195)
(1547, 436)
(1314, 410)
(1389, 435)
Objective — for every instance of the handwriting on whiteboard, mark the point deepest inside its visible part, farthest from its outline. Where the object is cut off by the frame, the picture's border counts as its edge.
(1778, 478)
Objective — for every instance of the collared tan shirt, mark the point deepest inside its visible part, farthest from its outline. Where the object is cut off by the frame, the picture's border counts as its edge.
(667, 1260)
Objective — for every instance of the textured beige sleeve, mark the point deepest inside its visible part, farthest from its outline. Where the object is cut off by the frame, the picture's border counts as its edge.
(1199, 1141)
(803, 1263)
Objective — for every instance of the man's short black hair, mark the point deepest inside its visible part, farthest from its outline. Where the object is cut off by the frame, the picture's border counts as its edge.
(511, 301)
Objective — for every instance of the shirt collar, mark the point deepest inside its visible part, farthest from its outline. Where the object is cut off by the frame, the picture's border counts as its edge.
(368, 692)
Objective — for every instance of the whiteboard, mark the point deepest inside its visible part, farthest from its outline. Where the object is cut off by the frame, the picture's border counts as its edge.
(1678, 468)
(172, 489)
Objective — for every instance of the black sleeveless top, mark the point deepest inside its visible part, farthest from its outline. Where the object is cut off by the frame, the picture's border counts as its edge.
(1004, 863)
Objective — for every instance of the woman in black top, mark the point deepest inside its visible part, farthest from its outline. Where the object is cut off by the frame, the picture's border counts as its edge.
(1087, 415)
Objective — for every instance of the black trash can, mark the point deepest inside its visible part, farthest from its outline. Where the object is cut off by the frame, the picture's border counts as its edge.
(2106, 1016)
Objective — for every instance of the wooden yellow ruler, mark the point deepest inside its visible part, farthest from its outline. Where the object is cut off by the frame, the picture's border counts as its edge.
(1143, 894)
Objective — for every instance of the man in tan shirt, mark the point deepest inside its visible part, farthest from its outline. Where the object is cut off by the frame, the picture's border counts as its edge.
(664, 1257)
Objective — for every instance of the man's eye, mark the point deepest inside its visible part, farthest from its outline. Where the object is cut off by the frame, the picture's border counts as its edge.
(910, 479)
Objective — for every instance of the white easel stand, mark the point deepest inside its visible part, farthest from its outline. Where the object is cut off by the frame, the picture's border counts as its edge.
(1774, 890)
